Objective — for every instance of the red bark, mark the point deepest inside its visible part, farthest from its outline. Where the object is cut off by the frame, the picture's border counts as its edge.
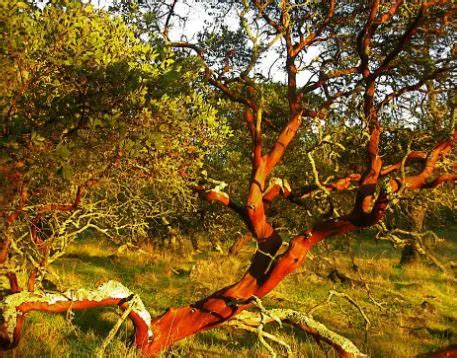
(178, 323)
(267, 270)
(141, 328)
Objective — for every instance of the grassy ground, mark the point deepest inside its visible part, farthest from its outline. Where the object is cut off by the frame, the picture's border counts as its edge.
(411, 309)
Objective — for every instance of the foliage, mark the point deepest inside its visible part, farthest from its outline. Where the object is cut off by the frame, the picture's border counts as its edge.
(86, 107)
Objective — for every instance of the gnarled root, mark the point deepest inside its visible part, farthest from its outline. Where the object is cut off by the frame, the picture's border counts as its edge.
(14, 307)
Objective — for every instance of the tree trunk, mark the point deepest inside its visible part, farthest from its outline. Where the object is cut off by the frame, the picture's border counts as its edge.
(410, 254)
(264, 274)
(268, 268)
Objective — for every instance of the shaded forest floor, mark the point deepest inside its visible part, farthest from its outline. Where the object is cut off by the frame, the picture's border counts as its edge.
(411, 309)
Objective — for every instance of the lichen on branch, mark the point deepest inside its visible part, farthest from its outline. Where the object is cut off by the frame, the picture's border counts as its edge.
(15, 306)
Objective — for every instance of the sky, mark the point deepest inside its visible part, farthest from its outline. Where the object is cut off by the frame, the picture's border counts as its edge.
(196, 14)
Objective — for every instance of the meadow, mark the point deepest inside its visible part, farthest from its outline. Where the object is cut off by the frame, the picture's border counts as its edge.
(397, 311)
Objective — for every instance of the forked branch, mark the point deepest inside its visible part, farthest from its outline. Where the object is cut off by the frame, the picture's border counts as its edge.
(320, 332)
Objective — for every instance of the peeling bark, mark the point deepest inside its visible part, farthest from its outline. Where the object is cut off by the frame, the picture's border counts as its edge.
(14, 307)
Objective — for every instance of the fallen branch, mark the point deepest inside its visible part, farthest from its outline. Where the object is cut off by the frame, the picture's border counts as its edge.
(15, 306)
(347, 298)
(252, 320)
(101, 351)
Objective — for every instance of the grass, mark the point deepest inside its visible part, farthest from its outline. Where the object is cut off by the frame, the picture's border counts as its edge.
(411, 309)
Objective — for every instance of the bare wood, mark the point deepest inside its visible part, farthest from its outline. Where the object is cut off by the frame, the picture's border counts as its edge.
(342, 345)
(15, 306)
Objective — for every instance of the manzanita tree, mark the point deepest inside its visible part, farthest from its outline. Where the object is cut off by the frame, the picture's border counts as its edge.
(375, 59)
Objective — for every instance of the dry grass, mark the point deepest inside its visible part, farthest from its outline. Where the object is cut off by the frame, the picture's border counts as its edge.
(418, 310)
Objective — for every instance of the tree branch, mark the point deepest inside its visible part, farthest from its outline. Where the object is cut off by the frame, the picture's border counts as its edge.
(14, 308)
(306, 41)
(219, 196)
(209, 73)
(342, 345)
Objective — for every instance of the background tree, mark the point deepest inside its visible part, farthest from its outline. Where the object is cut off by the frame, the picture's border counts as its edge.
(91, 142)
